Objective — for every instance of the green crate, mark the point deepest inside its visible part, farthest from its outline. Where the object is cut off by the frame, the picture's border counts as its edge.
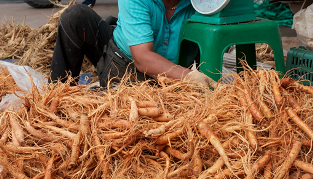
(299, 65)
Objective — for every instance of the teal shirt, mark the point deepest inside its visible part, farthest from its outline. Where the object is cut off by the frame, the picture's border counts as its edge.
(143, 21)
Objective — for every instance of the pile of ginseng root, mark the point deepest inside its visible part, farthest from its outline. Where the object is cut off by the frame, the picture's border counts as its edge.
(259, 126)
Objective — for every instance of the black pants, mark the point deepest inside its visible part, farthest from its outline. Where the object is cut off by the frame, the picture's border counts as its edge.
(81, 32)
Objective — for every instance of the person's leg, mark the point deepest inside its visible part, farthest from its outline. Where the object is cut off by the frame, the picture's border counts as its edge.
(111, 20)
(89, 2)
(81, 32)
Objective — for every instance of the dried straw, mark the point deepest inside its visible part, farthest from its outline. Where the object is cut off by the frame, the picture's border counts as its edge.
(34, 46)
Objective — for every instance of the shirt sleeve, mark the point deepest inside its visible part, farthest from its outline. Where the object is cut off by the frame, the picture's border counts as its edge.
(136, 21)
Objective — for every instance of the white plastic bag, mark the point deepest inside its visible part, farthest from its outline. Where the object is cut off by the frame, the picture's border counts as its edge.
(10, 101)
(303, 24)
(22, 76)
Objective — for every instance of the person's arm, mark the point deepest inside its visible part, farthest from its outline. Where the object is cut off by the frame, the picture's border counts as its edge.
(135, 17)
(153, 64)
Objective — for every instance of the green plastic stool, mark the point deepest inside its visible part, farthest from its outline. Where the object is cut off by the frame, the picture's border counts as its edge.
(213, 41)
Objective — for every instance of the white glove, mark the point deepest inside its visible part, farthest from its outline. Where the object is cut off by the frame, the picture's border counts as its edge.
(198, 77)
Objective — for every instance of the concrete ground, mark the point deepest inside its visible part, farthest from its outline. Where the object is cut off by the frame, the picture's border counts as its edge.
(19, 10)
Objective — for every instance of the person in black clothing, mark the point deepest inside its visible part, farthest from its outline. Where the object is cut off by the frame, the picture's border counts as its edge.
(144, 42)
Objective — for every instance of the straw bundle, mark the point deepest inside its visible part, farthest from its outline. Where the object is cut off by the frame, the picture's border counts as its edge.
(34, 47)
(264, 52)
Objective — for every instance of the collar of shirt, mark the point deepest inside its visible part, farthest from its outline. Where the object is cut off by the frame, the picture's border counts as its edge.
(182, 4)
(168, 45)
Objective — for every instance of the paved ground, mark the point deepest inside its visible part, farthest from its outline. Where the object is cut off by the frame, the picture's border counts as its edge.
(10, 1)
(18, 10)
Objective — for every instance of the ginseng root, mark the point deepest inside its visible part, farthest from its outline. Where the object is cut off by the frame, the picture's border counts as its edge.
(219, 163)
(149, 112)
(209, 134)
(133, 114)
(296, 147)
(84, 125)
(49, 167)
(146, 104)
(54, 104)
(254, 110)
(179, 170)
(39, 134)
(197, 163)
(167, 165)
(160, 130)
(307, 176)
(75, 149)
(251, 135)
(260, 164)
(268, 170)
(180, 155)
(302, 125)
(303, 166)
(164, 139)
(276, 92)
(164, 117)
(100, 152)
(17, 129)
(115, 135)
(292, 101)
(227, 173)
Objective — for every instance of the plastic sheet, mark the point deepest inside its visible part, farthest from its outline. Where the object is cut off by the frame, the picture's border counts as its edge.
(22, 76)
(277, 12)
(303, 24)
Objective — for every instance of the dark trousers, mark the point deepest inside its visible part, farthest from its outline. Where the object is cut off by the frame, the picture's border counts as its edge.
(81, 32)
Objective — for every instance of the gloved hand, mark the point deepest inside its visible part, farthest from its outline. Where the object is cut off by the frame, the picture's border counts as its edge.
(198, 77)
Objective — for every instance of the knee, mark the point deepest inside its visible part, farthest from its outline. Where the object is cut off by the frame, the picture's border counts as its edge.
(78, 11)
